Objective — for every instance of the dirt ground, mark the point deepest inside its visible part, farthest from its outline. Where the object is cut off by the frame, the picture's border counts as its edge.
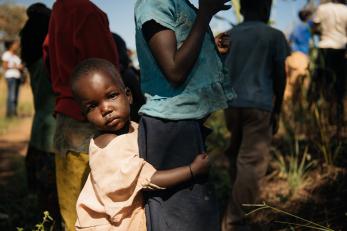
(17, 205)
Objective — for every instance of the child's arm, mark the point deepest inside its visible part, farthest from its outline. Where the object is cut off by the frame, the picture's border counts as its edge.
(176, 64)
(172, 177)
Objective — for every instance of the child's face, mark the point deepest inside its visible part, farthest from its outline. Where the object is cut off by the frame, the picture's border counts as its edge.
(105, 102)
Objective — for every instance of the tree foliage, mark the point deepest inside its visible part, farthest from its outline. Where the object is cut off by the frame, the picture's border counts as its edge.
(12, 19)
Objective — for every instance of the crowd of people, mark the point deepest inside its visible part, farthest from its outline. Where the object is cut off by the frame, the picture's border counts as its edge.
(115, 148)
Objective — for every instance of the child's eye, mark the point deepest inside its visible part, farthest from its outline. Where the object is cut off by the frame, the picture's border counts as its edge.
(90, 107)
(113, 95)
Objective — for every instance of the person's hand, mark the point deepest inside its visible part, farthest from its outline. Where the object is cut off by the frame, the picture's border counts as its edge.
(222, 41)
(275, 118)
(200, 164)
(211, 7)
(20, 67)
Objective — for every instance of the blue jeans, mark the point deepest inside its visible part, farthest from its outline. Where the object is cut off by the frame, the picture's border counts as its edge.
(12, 96)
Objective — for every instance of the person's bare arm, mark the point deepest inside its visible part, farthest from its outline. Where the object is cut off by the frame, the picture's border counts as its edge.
(5, 65)
(176, 64)
(172, 177)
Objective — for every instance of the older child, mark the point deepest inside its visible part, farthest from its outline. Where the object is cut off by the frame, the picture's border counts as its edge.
(183, 80)
(111, 198)
(257, 70)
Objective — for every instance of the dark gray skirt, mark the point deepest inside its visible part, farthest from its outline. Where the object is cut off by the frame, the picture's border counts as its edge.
(192, 206)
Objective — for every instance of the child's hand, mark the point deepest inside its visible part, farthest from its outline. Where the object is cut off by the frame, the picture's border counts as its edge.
(211, 7)
(200, 164)
(222, 41)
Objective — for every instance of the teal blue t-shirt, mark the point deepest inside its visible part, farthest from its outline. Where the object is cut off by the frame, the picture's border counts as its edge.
(207, 87)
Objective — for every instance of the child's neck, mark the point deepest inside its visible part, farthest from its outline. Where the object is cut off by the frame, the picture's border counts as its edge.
(256, 17)
(103, 138)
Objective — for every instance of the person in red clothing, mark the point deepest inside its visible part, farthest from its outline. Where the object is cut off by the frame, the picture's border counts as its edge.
(78, 30)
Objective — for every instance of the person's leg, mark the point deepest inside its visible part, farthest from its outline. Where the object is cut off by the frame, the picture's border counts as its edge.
(252, 160)
(71, 172)
(336, 64)
(234, 125)
(11, 90)
(233, 122)
(317, 83)
(16, 94)
(30, 166)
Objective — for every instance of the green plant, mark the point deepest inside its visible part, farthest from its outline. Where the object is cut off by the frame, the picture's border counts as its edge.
(324, 142)
(218, 140)
(294, 168)
(297, 169)
(47, 223)
(304, 222)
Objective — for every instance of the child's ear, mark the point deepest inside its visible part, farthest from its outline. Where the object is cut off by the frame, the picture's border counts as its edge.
(129, 95)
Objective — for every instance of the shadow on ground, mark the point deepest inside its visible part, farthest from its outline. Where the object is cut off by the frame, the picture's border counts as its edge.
(18, 207)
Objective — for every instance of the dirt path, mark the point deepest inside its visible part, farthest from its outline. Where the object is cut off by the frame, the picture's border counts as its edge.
(18, 207)
(13, 145)
(18, 134)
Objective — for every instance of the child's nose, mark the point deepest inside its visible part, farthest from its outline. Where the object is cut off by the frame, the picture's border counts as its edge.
(105, 109)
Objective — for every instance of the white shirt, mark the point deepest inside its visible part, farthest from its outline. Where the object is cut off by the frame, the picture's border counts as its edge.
(332, 18)
(13, 62)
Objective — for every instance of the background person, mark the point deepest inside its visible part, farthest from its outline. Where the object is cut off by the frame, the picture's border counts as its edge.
(40, 164)
(13, 67)
(183, 80)
(256, 62)
(330, 23)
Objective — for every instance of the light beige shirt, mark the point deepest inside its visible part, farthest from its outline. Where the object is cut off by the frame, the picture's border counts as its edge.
(332, 18)
(111, 198)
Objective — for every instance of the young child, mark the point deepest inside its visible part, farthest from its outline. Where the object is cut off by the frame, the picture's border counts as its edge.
(111, 197)
(183, 80)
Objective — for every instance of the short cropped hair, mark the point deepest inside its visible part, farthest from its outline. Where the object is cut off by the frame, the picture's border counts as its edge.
(8, 44)
(254, 5)
(304, 15)
(91, 66)
(38, 9)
